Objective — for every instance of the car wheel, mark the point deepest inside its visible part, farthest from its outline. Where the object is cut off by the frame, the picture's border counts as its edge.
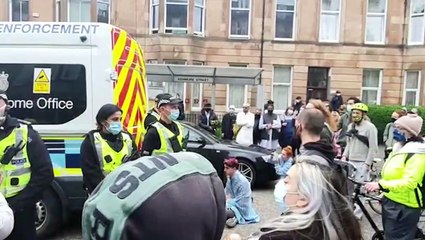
(248, 170)
(48, 214)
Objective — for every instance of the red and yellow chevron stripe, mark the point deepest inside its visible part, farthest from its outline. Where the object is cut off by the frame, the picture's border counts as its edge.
(130, 90)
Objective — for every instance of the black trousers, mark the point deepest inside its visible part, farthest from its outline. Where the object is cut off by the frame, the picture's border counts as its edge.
(400, 222)
(24, 227)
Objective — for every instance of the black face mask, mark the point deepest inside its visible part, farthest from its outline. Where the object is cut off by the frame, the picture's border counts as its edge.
(270, 112)
(207, 109)
(393, 119)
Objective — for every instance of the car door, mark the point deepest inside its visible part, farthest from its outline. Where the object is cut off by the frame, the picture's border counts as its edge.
(200, 144)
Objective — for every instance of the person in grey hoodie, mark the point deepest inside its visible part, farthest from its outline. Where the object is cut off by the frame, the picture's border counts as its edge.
(362, 145)
(389, 132)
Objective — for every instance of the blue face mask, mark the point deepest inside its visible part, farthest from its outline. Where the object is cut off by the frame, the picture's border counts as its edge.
(398, 136)
(175, 113)
(279, 196)
(114, 128)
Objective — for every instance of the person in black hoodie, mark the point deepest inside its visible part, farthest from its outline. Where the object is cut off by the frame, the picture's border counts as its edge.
(229, 119)
(207, 118)
(297, 105)
(309, 126)
(336, 101)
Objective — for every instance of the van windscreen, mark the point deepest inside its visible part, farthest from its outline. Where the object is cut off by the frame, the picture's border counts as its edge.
(45, 93)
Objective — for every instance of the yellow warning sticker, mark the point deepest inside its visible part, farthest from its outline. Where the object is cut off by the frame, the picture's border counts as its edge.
(42, 80)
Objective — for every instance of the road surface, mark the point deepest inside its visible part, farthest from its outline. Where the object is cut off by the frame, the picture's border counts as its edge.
(264, 204)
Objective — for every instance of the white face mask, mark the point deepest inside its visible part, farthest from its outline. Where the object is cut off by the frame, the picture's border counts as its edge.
(349, 108)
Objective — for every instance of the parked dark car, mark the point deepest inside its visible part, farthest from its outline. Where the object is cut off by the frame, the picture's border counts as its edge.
(253, 160)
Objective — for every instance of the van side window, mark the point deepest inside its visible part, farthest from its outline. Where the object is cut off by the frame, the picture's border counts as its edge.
(46, 93)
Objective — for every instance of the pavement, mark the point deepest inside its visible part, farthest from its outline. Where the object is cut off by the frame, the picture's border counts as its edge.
(263, 202)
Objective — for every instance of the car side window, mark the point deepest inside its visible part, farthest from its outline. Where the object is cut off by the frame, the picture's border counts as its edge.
(194, 136)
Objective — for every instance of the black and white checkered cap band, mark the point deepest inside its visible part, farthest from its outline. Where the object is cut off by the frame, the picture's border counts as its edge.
(3, 96)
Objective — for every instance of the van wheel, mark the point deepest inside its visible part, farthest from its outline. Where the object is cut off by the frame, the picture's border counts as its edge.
(48, 214)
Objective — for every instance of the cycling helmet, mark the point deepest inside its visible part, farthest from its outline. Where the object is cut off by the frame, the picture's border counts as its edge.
(361, 107)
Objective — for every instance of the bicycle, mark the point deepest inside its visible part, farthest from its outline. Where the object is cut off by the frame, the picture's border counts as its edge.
(375, 175)
(379, 234)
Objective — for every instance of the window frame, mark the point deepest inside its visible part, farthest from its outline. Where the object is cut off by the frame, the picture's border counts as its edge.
(289, 85)
(171, 29)
(411, 15)
(245, 97)
(153, 30)
(201, 90)
(69, 10)
(328, 12)
(196, 33)
(294, 22)
(20, 12)
(232, 36)
(108, 2)
(384, 28)
(378, 89)
(417, 90)
(58, 9)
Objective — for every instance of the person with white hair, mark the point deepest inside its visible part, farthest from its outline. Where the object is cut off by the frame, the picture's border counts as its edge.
(245, 120)
(316, 209)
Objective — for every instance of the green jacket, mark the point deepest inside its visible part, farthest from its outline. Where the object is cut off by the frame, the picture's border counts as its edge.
(402, 179)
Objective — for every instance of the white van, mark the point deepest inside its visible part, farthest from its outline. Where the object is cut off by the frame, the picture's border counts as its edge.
(59, 75)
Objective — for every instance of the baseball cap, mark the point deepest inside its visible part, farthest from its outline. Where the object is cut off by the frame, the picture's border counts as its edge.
(148, 199)
(166, 98)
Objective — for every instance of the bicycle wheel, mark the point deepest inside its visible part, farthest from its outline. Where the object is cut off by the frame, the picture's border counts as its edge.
(378, 236)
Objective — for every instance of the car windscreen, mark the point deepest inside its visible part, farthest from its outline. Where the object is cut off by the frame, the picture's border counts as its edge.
(45, 93)
(208, 134)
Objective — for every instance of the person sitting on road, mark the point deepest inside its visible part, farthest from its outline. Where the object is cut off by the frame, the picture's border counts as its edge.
(239, 196)
(316, 209)
(284, 162)
(176, 196)
(402, 180)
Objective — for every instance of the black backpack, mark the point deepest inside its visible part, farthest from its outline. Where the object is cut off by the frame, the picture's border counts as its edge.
(419, 188)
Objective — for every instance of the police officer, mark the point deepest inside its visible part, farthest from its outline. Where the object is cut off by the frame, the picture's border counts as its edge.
(25, 168)
(166, 135)
(106, 148)
(153, 113)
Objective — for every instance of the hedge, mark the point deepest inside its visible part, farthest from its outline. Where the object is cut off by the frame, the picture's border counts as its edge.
(381, 115)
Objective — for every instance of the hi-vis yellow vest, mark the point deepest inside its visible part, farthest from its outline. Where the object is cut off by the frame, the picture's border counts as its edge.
(109, 159)
(164, 135)
(17, 173)
(155, 114)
